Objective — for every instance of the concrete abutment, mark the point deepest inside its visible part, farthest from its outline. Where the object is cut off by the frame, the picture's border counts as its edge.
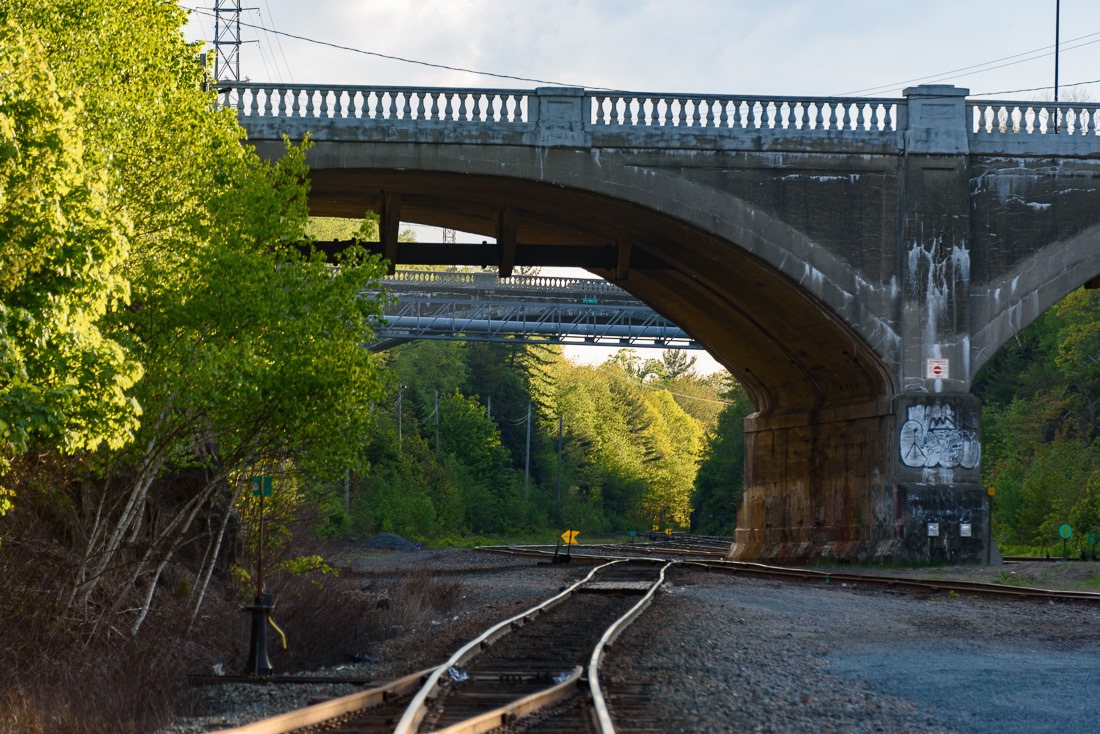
(893, 480)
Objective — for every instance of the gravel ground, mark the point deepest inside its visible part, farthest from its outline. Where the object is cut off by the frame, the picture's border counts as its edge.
(746, 655)
(727, 654)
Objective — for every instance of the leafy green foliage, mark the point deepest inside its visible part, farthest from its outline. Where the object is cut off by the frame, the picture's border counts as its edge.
(62, 379)
(158, 265)
(720, 481)
(1041, 424)
(629, 448)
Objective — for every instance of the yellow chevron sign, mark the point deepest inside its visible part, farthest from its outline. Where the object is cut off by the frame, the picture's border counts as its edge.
(570, 537)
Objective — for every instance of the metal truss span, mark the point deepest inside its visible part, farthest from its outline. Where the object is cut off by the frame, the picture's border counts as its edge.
(525, 309)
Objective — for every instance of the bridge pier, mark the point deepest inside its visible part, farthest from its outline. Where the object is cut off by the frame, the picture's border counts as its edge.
(895, 480)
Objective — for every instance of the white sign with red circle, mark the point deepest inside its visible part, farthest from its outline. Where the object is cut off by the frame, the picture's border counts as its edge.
(938, 369)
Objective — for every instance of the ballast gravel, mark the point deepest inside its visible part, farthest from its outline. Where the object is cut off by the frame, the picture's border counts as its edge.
(735, 655)
(722, 653)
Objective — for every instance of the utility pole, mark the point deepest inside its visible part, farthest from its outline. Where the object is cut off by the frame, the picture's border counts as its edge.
(1057, 29)
(559, 459)
(437, 421)
(527, 456)
(400, 395)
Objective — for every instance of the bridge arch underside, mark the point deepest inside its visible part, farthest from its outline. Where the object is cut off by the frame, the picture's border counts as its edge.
(819, 449)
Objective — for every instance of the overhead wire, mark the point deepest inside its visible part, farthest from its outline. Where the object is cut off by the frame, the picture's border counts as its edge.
(971, 70)
(1089, 43)
(657, 388)
(264, 52)
(278, 41)
(1036, 89)
(389, 57)
(965, 70)
(206, 27)
(977, 68)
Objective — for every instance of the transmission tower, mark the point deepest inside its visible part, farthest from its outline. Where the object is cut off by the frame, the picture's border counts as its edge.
(227, 40)
(449, 239)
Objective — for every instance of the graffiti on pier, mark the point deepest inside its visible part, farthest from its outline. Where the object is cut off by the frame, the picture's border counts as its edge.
(932, 438)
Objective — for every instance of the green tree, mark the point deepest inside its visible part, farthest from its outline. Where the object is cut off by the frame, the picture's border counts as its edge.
(252, 351)
(63, 382)
(633, 450)
(1050, 487)
(677, 362)
(1078, 357)
(720, 481)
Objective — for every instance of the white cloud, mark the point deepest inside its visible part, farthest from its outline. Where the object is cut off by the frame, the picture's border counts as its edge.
(782, 47)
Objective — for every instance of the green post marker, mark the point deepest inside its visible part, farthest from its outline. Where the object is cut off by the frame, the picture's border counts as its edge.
(258, 661)
(261, 485)
(1066, 532)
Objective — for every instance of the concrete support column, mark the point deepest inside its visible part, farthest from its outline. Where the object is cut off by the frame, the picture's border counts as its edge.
(942, 508)
(896, 478)
(817, 485)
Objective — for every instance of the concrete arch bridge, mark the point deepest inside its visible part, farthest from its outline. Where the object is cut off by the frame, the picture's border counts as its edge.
(853, 262)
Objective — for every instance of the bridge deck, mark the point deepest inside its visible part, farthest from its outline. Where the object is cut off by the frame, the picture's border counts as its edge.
(529, 309)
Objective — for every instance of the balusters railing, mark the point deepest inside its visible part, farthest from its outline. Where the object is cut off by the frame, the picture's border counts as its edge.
(1033, 118)
(724, 112)
(515, 282)
(630, 110)
(380, 103)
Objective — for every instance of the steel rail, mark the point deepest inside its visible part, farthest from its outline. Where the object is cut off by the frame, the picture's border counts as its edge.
(543, 699)
(599, 702)
(497, 718)
(1001, 591)
(893, 583)
(321, 712)
(417, 708)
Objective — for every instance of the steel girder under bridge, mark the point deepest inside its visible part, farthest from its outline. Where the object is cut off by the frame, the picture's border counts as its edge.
(522, 308)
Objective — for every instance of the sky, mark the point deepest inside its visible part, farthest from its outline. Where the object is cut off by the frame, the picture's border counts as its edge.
(869, 48)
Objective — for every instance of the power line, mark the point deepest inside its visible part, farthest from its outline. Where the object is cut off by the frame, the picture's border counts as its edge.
(265, 52)
(941, 75)
(1037, 89)
(1035, 58)
(931, 78)
(352, 49)
(278, 41)
(690, 397)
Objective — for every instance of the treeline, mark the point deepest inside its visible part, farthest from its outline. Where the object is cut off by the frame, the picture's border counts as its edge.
(1040, 450)
(479, 438)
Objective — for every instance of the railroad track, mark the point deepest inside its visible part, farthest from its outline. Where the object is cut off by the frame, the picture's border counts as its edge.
(704, 560)
(537, 671)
